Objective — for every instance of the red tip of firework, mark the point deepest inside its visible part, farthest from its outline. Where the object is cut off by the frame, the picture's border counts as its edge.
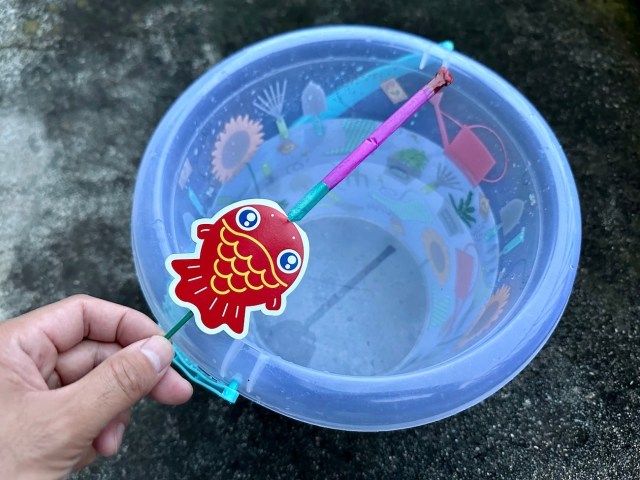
(441, 80)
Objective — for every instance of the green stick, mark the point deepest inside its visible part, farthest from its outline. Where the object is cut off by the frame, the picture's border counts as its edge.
(178, 325)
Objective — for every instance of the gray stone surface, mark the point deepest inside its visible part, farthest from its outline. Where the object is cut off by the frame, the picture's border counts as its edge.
(82, 85)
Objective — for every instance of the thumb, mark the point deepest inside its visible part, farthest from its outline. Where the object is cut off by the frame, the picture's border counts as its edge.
(118, 383)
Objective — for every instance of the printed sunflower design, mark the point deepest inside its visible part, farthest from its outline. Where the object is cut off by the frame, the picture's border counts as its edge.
(236, 144)
(438, 255)
(489, 315)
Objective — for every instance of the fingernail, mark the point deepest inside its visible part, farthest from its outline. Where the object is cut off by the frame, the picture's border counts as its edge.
(118, 436)
(159, 352)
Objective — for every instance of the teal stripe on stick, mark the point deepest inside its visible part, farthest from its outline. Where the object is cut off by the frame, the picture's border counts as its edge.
(306, 203)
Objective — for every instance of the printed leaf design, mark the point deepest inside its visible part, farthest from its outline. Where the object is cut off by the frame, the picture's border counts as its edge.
(444, 178)
(464, 209)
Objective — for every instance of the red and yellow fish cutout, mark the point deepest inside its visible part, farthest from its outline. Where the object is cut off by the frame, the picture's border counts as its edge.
(248, 257)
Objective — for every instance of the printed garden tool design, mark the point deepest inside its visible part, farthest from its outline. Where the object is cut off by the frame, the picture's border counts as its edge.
(466, 149)
(466, 271)
(314, 103)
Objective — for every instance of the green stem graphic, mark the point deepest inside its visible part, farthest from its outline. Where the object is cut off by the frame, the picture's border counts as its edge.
(255, 179)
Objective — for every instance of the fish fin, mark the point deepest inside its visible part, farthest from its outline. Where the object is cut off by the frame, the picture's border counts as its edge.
(219, 312)
(215, 311)
(275, 304)
(205, 230)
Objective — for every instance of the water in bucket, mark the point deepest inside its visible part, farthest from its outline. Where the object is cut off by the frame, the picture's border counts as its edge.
(399, 259)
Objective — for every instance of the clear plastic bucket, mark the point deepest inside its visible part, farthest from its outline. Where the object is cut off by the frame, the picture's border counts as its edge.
(437, 270)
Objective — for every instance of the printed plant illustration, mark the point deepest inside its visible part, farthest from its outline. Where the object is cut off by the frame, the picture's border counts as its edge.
(465, 209)
(408, 163)
(272, 103)
(444, 178)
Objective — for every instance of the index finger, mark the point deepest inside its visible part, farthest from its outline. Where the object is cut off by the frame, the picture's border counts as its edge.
(67, 322)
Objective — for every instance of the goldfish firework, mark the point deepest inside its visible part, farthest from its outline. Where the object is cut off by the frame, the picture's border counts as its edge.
(248, 257)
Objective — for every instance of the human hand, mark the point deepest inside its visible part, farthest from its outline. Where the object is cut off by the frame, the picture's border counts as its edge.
(69, 374)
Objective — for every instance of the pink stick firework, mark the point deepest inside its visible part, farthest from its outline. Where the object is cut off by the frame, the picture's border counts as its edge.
(370, 144)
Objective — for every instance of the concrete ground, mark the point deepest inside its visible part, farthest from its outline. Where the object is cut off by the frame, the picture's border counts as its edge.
(82, 85)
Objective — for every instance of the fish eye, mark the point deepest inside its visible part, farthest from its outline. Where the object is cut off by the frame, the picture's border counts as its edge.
(289, 261)
(248, 218)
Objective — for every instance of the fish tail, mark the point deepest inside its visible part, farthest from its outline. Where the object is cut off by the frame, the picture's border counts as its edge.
(194, 280)
(194, 287)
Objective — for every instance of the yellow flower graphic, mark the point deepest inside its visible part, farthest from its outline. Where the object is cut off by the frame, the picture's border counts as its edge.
(236, 144)
(488, 317)
(438, 255)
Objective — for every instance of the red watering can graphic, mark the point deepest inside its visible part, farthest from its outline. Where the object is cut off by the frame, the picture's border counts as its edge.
(466, 149)
(466, 272)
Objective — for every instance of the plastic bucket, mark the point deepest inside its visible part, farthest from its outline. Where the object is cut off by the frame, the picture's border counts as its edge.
(437, 270)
